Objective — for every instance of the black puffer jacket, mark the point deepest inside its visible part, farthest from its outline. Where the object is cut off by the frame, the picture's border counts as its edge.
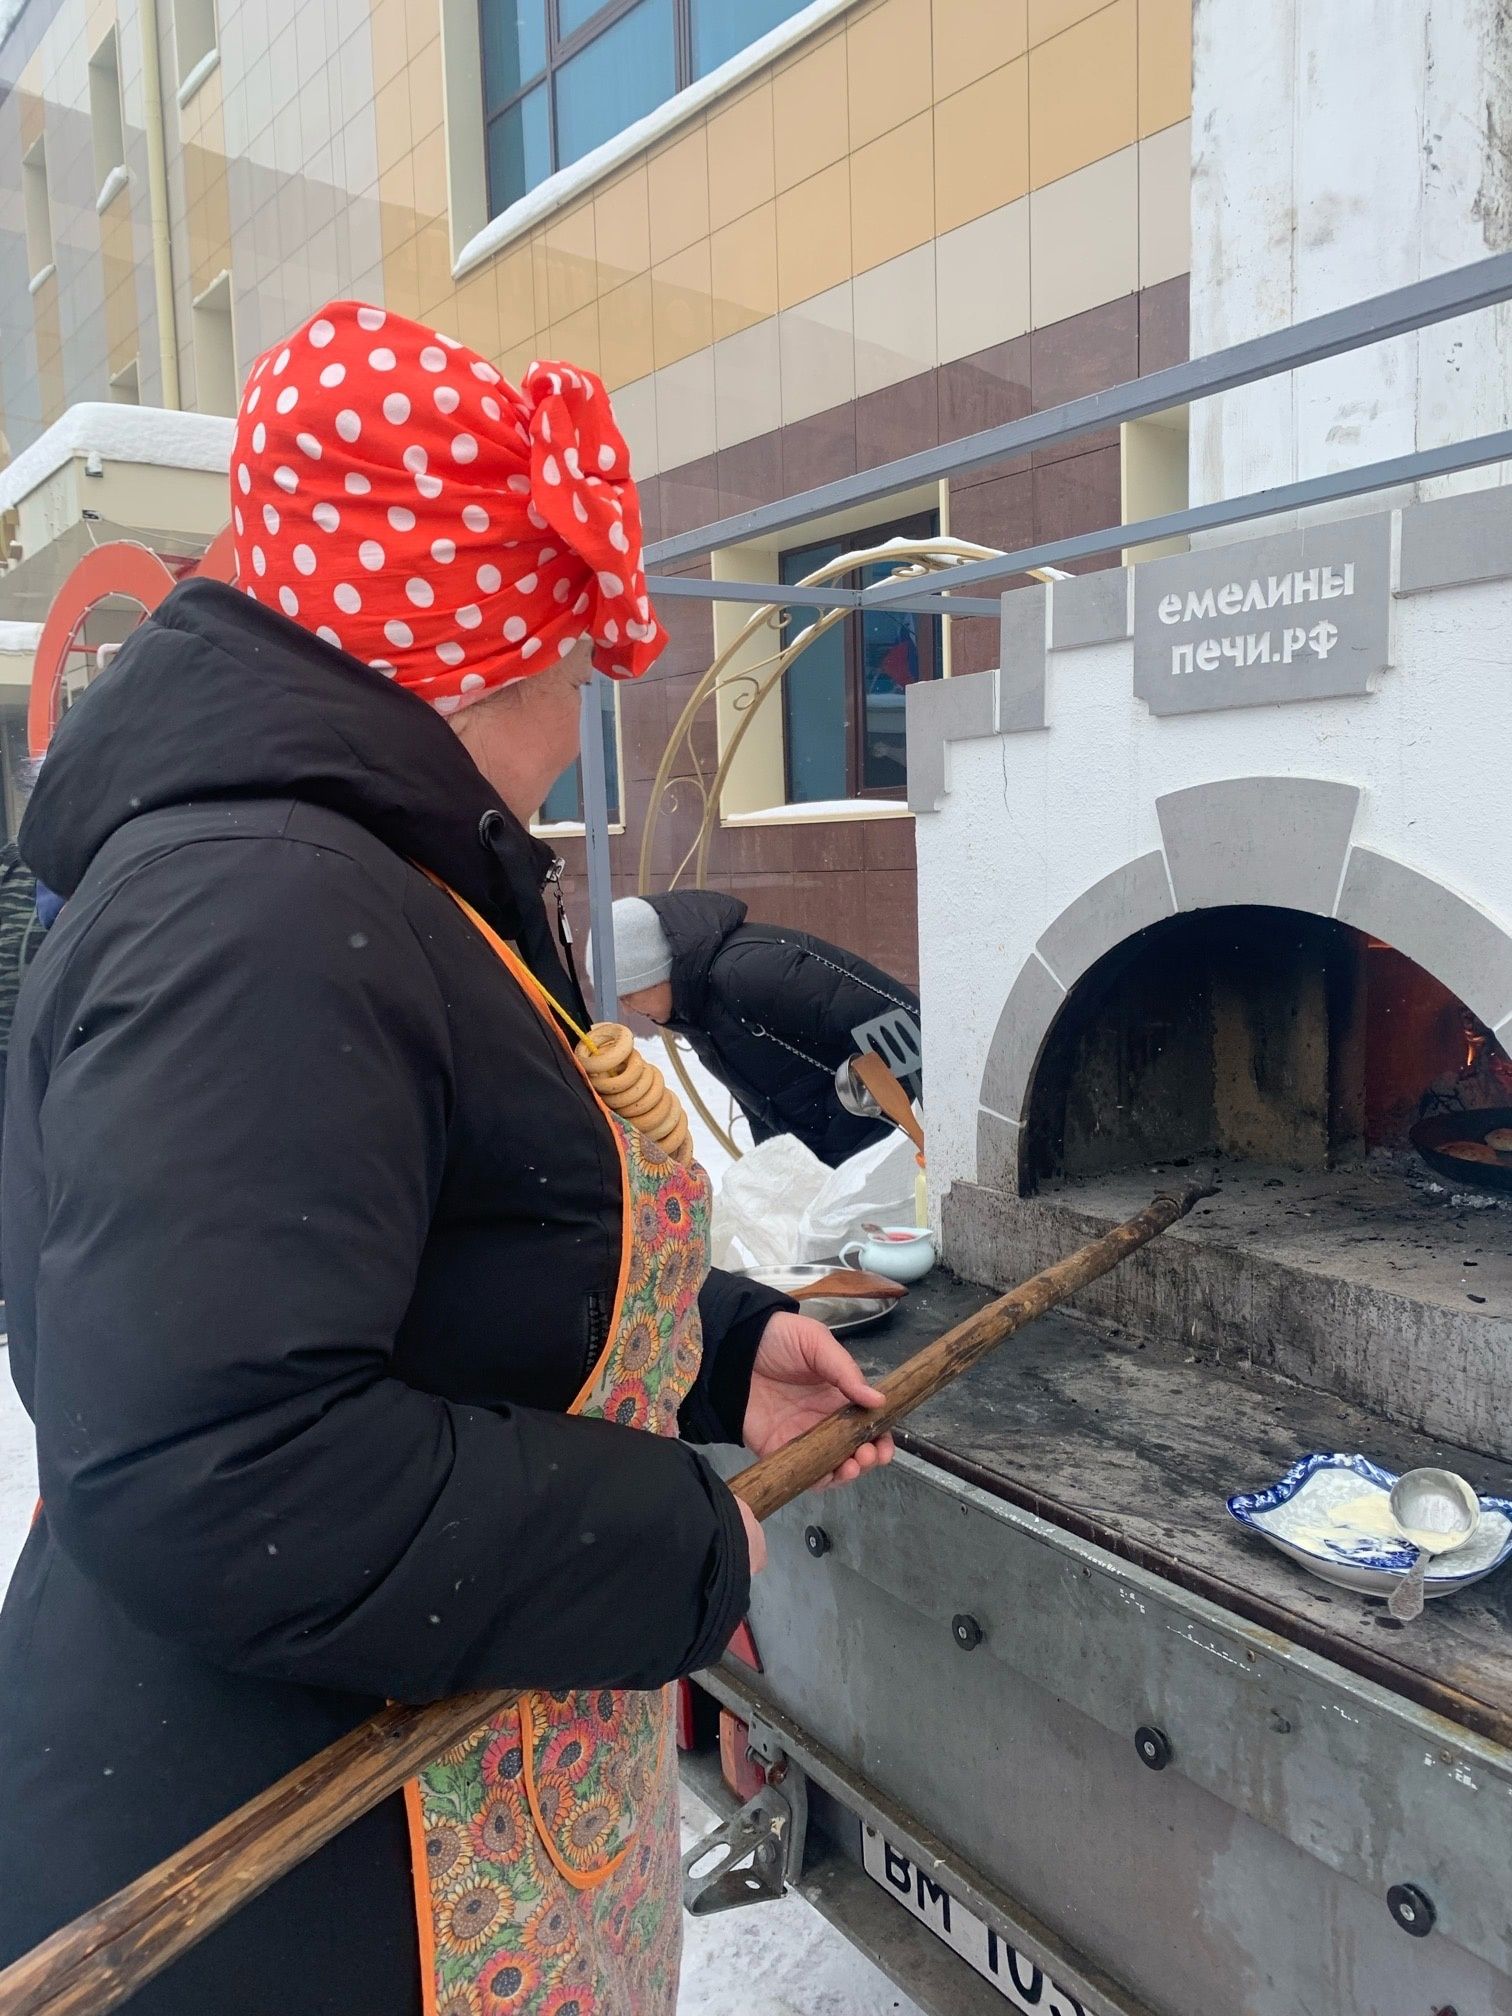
(770, 1013)
(311, 1231)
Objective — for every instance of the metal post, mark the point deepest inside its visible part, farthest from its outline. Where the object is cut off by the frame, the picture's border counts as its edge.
(596, 698)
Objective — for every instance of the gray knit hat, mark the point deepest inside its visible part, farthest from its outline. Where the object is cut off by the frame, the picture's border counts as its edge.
(642, 956)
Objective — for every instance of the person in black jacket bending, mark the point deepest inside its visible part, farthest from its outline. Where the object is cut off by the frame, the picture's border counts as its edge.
(340, 1305)
(769, 1011)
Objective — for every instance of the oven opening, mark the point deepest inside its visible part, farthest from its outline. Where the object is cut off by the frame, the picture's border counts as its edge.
(1272, 1039)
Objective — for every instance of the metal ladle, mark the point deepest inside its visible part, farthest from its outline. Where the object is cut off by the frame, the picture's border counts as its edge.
(1436, 1511)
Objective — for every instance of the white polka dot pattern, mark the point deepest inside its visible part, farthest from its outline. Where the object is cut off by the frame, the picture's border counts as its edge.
(394, 481)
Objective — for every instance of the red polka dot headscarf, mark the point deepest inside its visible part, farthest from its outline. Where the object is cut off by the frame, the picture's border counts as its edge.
(392, 493)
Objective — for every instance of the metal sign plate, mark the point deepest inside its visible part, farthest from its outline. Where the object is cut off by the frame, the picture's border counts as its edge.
(1302, 615)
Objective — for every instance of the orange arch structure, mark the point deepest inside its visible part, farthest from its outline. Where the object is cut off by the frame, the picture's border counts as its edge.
(121, 570)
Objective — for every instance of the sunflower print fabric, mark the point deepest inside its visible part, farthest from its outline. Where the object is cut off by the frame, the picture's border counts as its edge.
(546, 1843)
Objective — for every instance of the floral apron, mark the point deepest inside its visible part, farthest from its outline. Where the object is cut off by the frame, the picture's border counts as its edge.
(545, 1845)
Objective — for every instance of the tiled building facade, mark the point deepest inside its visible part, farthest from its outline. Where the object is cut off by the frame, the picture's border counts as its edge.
(890, 223)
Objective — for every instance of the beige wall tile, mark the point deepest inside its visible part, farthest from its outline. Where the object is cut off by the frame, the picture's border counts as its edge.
(889, 63)
(1165, 63)
(635, 415)
(1165, 204)
(682, 311)
(895, 320)
(433, 257)
(748, 383)
(426, 88)
(477, 305)
(571, 263)
(892, 193)
(817, 345)
(981, 146)
(679, 191)
(1084, 238)
(814, 235)
(1083, 93)
(429, 163)
(810, 124)
(685, 410)
(575, 338)
(972, 37)
(515, 281)
(625, 341)
(742, 163)
(1051, 17)
(982, 281)
(622, 226)
(743, 271)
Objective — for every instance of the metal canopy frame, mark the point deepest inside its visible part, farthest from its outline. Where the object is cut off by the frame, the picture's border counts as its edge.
(1463, 291)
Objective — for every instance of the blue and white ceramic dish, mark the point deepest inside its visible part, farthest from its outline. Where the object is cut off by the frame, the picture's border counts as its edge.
(1299, 1514)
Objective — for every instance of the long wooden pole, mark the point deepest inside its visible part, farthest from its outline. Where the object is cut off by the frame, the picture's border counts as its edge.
(94, 1964)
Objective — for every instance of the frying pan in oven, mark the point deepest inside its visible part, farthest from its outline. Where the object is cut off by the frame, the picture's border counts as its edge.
(1433, 1137)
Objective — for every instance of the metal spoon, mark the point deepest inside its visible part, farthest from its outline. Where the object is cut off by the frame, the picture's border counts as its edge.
(1436, 1511)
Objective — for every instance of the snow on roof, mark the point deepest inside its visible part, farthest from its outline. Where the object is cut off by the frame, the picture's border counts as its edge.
(20, 636)
(121, 434)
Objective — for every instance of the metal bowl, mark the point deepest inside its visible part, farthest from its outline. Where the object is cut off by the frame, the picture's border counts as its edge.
(839, 1313)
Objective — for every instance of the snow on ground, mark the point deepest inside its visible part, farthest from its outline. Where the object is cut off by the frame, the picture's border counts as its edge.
(769, 1960)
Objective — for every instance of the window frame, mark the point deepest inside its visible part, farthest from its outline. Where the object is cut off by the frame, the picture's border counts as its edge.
(107, 106)
(918, 525)
(560, 51)
(36, 195)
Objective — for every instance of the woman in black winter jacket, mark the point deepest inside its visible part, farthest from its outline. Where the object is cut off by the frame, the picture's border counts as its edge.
(769, 1011)
(323, 1258)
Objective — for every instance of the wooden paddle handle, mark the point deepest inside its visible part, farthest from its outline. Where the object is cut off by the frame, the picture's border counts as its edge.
(889, 1095)
(94, 1964)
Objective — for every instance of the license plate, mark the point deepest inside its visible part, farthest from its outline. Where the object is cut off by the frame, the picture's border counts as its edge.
(1021, 1984)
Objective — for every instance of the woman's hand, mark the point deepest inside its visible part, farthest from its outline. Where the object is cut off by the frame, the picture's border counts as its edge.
(802, 1376)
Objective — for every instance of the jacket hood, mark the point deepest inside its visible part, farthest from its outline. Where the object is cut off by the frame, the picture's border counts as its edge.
(697, 922)
(216, 696)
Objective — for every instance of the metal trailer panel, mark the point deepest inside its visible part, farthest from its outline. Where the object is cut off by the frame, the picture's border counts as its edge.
(1251, 1875)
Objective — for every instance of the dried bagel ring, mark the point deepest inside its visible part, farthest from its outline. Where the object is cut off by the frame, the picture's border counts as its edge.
(629, 1079)
(612, 1044)
(645, 1102)
(680, 1147)
(662, 1126)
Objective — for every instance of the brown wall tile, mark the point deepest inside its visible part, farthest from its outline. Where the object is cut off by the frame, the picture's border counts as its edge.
(1079, 494)
(1163, 324)
(689, 496)
(819, 449)
(750, 473)
(898, 420)
(985, 390)
(1085, 353)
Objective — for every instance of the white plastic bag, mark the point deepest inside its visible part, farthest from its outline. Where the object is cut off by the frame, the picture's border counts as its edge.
(876, 1185)
(760, 1201)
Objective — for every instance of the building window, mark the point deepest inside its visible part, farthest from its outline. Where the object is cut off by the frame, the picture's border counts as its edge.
(105, 122)
(215, 348)
(843, 700)
(39, 238)
(560, 77)
(195, 39)
(563, 803)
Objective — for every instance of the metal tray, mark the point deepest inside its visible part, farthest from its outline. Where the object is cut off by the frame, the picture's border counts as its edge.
(840, 1313)
(1431, 1137)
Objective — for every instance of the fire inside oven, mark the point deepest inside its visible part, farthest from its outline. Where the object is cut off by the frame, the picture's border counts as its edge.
(1267, 1037)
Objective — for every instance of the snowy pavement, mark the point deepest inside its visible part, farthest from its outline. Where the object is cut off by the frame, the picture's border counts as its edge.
(770, 1960)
